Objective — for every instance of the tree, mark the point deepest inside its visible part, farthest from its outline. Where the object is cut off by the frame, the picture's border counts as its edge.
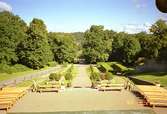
(159, 30)
(97, 44)
(117, 44)
(63, 47)
(131, 48)
(35, 51)
(149, 48)
(12, 32)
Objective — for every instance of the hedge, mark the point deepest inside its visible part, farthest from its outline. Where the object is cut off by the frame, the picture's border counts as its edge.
(104, 67)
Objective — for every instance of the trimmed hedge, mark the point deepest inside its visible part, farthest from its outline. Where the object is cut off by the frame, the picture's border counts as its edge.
(104, 67)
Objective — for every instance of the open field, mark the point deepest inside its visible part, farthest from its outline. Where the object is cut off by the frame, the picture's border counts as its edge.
(160, 77)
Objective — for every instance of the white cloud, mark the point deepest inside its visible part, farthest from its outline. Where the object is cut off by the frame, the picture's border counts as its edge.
(5, 7)
(136, 28)
(140, 4)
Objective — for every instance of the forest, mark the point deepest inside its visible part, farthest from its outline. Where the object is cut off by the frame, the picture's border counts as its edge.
(32, 46)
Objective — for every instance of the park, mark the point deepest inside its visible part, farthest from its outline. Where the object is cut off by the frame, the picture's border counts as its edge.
(99, 70)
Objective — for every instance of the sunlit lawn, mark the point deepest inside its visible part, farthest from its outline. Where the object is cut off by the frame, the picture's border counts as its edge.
(6, 76)
(160, 77)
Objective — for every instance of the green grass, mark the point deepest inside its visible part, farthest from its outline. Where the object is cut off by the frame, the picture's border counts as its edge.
(160, 77)
(104, 67)
(40, 80)
(29, 83)
(6, 76)
(117, 80)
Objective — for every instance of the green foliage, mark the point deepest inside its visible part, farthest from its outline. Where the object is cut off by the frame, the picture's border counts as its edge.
(159, 30)
(55, 76)
(52, 64)
(97, 44)
(12, 32)
(109, 76)
(148, 47)
(94, 74)
(34, 51)
(104, 67)
(63, 47)
(117, 46)
(131, 49)
(4, 68)
(69, 76)
(119, 67)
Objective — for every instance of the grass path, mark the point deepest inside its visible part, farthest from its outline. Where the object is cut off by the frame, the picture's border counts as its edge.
(81, 79)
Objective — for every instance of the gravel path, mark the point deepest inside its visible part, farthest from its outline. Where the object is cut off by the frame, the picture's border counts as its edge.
(82, 80)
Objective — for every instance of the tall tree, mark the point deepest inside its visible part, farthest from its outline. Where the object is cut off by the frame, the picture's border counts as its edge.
(63, 47)
(35, 51)
(97, 44)
(149, 48)
(12, 32)
(159, 30)
(131, 49)
(117, 44)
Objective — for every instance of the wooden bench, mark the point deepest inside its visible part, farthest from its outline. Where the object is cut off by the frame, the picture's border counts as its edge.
(6, 105)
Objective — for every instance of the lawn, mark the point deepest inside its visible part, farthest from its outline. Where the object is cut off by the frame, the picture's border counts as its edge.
(160, 77)
(6, 76)
(29, 83)
(117, 80)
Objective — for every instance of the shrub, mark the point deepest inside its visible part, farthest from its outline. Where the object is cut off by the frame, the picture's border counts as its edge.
(104, 67)
(69, 76)
(55, 76)
(119, 68)
(52, 64)
(108, 76)
(94, 74)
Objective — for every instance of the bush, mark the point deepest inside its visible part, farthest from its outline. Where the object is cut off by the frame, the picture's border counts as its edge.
(52, 64)
(94, 74)
(119, 68)
(55, 76)
(104, 67)
(108, 76)
(69, 76)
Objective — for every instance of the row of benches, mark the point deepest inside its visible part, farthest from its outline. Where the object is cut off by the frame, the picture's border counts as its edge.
(154, 95)
(10, 95)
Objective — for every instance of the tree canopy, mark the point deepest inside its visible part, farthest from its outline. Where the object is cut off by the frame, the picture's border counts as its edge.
(96, 44)
(35, 51)
(34, 47)
(12, 32)
(63, 47)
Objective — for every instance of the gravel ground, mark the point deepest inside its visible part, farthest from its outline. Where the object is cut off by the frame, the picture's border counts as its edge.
(82, 79)
(77, 99)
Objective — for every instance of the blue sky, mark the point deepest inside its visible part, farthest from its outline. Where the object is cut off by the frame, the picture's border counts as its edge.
(79, 15)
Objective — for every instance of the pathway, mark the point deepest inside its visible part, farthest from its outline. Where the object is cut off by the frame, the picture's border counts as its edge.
(82, 80)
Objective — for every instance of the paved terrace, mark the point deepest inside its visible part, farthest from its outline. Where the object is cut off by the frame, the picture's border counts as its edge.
(77, 100)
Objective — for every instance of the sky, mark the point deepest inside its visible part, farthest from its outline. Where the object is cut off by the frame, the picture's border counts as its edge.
(131, 16)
